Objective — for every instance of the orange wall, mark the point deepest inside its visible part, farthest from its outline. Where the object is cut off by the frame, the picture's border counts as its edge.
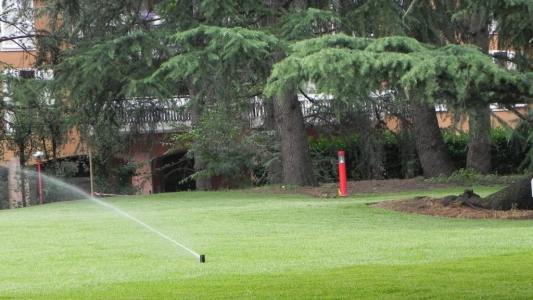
(447, 119)
(17, 59)
(71, 148)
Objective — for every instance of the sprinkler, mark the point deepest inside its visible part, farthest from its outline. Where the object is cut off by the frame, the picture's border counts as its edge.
(72, 188)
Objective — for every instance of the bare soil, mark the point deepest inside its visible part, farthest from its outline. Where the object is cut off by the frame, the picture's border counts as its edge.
(418, 205)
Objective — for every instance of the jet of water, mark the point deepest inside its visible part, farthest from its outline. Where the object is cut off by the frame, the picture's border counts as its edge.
(143, 224)
(49, 180)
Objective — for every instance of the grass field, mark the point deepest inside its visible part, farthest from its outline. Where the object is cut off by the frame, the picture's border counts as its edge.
(259, 247)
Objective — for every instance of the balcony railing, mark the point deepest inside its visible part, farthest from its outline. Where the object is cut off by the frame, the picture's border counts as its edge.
(164, 117)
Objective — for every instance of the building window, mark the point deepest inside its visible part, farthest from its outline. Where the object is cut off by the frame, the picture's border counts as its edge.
(17, 22)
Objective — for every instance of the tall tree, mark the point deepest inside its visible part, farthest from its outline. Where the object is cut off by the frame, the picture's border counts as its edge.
(97, 50)
(453, 23)
(215, 46)
(447, 22)
(513, 29)
(343, 66)
(512, 23)
(307, 22)
(423, 21)
(473, 28)
(224, 65)
(439, 23)
(24, 110)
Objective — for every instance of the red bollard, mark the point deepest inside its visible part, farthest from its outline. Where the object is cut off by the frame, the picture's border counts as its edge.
(342, 175)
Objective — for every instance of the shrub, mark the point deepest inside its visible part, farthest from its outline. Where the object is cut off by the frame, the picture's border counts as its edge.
(400, 159)
(457, 145)
(507, 156)
(397, 159)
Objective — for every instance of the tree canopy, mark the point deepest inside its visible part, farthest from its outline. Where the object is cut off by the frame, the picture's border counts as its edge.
(349, 67)
(121, 63)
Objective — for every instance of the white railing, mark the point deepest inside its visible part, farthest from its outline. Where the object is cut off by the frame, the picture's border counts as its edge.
(155, 112)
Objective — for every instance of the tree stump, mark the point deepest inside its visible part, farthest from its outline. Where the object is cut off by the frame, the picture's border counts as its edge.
(515, 196)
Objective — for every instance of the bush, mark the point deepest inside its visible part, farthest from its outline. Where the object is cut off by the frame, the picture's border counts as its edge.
(507, 157)
(400, 159)
(324, 153)
(397, 161)
(457, 145)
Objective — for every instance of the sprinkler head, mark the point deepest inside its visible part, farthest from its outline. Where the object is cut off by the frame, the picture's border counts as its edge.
(202, 258)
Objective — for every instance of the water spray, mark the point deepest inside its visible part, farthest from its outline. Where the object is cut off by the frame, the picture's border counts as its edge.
(201, 257)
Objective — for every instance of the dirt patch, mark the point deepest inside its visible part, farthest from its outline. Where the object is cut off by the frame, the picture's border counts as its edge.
(434, 207)
(358, 187)
(418, 205)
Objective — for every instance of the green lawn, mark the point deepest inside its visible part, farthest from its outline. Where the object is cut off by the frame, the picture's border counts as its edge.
(259, 247)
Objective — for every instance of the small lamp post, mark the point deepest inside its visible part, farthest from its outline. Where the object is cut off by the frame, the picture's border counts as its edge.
(343, 191)
(38, 156)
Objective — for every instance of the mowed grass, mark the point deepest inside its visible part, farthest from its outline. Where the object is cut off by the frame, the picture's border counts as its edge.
(259, 247)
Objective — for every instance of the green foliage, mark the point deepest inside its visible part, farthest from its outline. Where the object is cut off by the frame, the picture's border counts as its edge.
(514, 25)
(229, 62)
(457, 144)
(377, 18)
(4, 188)
(453, 74)
(521, 139)
(324, 156)
(466, 177)
(32, 115)
(63, 170)
(393, 163)
(113, 175)
(506, 156)
(399, 162)
(306, 24)
(232, 152)
(223, 52)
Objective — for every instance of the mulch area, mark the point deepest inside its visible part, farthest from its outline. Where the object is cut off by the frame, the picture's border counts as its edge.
(434, 207)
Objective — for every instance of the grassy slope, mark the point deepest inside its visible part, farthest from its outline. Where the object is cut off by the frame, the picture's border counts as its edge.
(259, 247)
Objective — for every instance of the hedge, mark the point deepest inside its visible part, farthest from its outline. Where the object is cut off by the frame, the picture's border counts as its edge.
(399, 158)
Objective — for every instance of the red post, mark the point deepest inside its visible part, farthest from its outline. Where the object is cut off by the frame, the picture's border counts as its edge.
(342, 175)
(40, 182)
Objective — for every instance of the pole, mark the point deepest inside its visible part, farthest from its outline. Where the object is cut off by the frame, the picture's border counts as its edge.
(342, 175)
(40, 180)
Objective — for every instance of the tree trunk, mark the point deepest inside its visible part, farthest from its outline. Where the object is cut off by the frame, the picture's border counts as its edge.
(23, 179)
(203, 183)
(295, 152)
(275, 168)
(515, 196)
(432, 152)
(479, 144)
(297, 168)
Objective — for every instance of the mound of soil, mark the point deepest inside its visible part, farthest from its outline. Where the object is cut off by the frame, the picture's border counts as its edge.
(434, 207)
(418, 205)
